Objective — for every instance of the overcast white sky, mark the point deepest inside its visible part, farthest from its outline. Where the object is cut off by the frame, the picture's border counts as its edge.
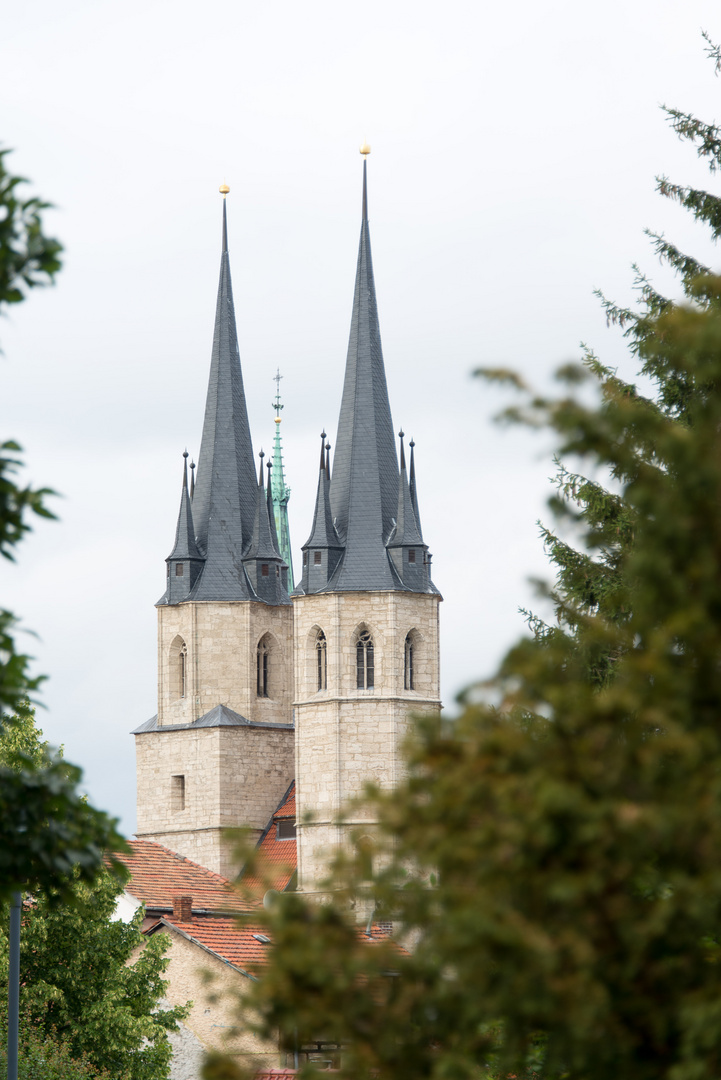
(514, 149)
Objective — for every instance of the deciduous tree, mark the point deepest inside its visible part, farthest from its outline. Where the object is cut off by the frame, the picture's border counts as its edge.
(46, 827)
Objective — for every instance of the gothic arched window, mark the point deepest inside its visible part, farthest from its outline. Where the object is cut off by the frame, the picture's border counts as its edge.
(183, 658)
(178, 671)
(263, 667)
(408, 664)
(321, 655)
(364, 661)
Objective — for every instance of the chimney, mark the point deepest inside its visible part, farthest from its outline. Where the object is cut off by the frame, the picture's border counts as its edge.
(183, 908)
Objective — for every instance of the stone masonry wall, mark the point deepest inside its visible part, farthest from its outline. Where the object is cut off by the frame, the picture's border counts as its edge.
(231, 776)
(346, 736)
(212, 985)
(221, 642)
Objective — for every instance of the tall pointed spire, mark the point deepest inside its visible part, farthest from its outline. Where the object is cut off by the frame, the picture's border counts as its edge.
(364, 491)
(225, 497)
(280, 491)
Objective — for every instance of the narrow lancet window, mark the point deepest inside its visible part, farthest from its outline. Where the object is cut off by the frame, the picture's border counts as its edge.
(364, 661)
(321, 655)
(408, 664)
(262, 661)
(181, 670)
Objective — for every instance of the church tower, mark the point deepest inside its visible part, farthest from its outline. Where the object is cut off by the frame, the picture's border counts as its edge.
(366, 610)
(219, 753)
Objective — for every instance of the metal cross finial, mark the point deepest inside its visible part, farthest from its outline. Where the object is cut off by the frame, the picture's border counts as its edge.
(276, 404)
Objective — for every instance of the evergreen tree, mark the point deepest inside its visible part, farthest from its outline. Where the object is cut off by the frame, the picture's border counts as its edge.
(90, 983)
(591, 580)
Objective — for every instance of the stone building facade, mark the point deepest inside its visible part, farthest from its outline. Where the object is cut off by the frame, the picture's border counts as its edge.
(258, 685)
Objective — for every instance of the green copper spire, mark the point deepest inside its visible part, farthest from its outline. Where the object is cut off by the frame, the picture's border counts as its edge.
(281, 492)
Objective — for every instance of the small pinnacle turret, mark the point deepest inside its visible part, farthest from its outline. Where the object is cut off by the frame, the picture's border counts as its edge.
(412, 486)
(406, 547)
(322, 550)
(185, 561)
(263, 564)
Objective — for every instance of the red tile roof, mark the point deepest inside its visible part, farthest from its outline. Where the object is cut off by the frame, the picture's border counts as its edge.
(227, 938)
(157, 875)
(236, 942)
(279, 857)
(287, 807)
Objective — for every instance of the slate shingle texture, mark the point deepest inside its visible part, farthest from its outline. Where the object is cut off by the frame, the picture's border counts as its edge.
(225, 496)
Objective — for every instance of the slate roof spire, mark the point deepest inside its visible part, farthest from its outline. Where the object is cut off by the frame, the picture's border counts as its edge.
(406, 531)
(322, 550)
(225, 491)
(364, 489)
(413, 488)
(185, 561)
(406, 548)
(262, 562)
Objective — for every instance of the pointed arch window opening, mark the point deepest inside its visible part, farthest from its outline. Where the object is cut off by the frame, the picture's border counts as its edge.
(408, 672)
(321, 654)
(365, 662)
(263, 669)
(182, 670)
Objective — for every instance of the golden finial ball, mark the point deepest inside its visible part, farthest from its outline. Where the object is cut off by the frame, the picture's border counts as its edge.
(277, 419)
(365, 149)
(223, 189)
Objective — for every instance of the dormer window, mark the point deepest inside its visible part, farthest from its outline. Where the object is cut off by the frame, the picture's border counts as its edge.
(264, 569)
(412, 555)
(179, 569)
(285, 829)
(305, 558)
(317, 557)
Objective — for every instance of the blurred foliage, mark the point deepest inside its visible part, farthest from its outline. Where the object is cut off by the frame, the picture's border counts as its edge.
(591, 577)
(46, 827)
(27, 256)
(43, 1058)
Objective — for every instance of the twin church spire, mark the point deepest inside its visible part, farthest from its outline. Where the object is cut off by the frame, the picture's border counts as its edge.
(232, 543)
(366, 531)
(233, 537)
